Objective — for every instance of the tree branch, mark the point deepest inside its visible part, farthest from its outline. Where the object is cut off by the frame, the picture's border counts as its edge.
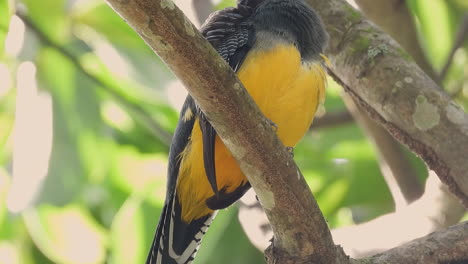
(301, 233)
(383, 79)
(442, 247)
(331, 119)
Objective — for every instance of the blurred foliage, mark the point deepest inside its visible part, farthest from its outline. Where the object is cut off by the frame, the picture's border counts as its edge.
(82, 178)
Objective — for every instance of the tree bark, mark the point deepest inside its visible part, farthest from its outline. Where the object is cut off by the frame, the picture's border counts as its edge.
(394, 17)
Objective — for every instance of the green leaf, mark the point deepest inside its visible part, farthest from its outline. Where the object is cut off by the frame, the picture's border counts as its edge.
(4, 186)
(132, 231)
(225, 242)
(65, 177)
(141, 174)
(67, 235)
(5, 15)
(100, 17)
(225, 3)
(7, 118)
(343, 160)
(437, 26)
(55, 24)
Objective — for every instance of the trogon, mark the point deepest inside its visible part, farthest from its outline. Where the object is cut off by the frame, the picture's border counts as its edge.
(275, 47)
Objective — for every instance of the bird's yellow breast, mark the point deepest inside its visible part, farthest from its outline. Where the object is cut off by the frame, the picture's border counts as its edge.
(286, 90)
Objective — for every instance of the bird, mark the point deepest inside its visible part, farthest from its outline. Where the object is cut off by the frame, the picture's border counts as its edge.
(276, 49)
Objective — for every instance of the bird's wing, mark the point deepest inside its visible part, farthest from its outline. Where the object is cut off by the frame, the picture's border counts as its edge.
(230, 32)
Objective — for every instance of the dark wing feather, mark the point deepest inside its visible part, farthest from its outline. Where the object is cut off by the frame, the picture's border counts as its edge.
(230, 32)
(179, 143)
(209, 136)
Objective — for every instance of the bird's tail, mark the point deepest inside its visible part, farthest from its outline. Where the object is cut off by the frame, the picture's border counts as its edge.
(175, 241)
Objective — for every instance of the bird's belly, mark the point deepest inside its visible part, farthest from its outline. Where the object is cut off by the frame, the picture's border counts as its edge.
(288, 93)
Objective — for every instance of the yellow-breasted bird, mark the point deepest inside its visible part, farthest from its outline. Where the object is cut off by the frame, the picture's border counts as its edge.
(275, 48)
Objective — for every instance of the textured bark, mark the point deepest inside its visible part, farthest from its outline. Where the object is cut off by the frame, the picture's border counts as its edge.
(395, 92)
(394, 17)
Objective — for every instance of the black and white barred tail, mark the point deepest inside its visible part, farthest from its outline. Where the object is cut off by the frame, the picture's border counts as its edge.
(176, 242)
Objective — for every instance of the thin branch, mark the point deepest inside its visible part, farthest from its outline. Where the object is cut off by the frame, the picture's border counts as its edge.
(443, 247)
(396, 93)
(462, 34)
(331, 119)
(269, 167)
(459, 86)
(136, 110)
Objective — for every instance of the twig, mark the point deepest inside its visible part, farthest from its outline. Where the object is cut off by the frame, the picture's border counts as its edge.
(136, 110)
(332, 119)
(462, 34)
(459, 86)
